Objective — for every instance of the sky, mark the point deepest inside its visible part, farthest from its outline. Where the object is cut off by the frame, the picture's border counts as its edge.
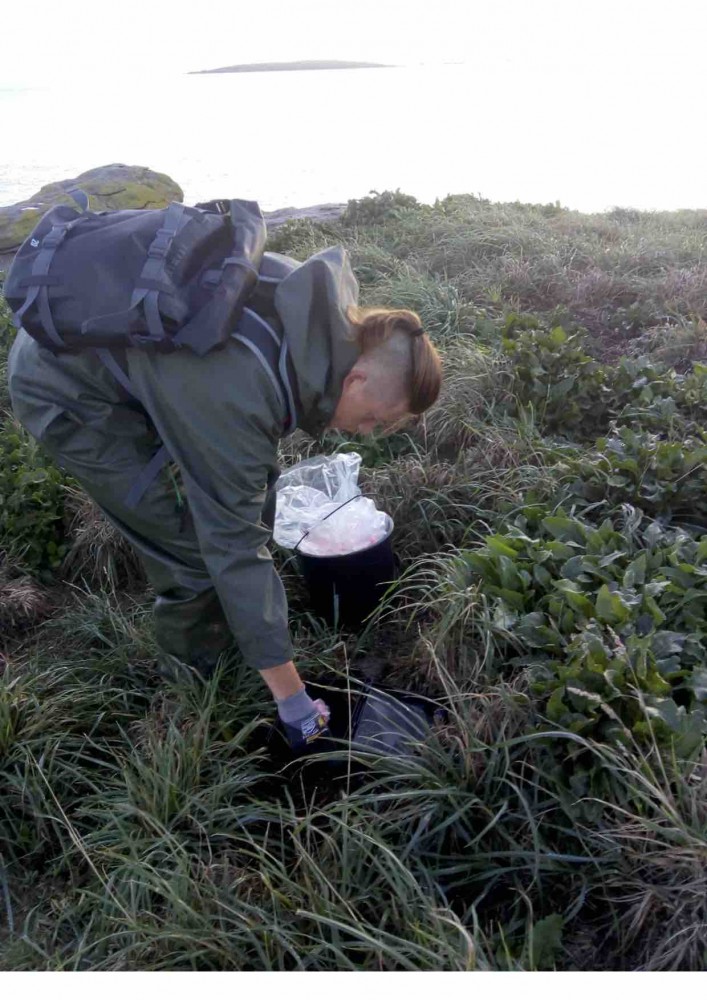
(593, 102)
(44, 40)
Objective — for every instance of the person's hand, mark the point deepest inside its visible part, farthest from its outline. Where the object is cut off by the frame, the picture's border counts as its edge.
(301, 734)
(304, 727)
(323, 708)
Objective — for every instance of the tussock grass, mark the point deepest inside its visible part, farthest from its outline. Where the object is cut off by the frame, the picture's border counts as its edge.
(169, 856)
(98, 555)
(615, 274)
(23, 602)
(163, 841)
(660, 882)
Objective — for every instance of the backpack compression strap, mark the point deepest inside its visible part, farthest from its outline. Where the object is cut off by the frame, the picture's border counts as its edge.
(39, 279)
(153, 277)
(161, 456)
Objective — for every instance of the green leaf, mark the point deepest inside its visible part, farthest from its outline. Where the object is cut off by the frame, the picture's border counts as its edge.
(33, 476)
(573, 568)
(546, 941)
(667, 711)
(499, 544)
(575, 598)
(609, 607)
(483, 565)
(512, 598)
(565, 529)
(561, 388)
(510, 578)
(653, 609)
(697, 683)
(612, 557)
(557, 336)
(666, 643)
(636, 571)
(683, 575)
(542, 576)
(559, 550)
(533, 630)
(556, 708)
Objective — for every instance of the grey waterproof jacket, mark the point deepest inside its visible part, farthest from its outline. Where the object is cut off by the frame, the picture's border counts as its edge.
(221, 420)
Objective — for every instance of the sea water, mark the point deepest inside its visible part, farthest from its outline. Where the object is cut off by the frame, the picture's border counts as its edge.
(534, 133)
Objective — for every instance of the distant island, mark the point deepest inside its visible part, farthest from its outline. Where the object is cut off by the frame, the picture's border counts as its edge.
(289, 66)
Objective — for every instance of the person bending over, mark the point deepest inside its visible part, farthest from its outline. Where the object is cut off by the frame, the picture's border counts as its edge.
(221, 420)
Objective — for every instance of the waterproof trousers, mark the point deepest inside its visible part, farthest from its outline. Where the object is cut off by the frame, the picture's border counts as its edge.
(105, 441)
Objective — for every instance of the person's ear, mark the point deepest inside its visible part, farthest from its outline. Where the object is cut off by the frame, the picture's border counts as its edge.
(355, 377)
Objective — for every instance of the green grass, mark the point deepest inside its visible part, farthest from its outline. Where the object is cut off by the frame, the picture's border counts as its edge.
(556, 819)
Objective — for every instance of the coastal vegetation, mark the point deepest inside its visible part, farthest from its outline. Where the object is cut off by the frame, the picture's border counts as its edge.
(551, 525)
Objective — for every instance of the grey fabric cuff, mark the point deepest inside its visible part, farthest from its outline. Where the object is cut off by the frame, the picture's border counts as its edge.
(295, 708)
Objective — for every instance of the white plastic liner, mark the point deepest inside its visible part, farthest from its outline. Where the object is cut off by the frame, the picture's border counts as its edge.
(312, 508)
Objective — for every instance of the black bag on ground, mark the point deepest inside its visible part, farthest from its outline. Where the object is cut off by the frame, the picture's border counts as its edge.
(165, 278)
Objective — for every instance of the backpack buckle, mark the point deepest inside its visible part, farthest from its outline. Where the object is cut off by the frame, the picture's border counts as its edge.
(143, 339)
(161, 243)
(54, 237)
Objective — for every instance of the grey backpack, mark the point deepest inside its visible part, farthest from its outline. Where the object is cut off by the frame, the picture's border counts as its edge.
(160, 279)
(164, 278)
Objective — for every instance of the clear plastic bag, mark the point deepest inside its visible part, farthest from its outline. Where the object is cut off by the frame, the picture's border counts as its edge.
(352, 528)
(313, 512)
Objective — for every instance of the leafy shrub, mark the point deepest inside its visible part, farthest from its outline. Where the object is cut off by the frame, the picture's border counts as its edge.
(691, 393)
(31, 502)
(572, 394)
(662, 478)
(554, 376)
(7, 332)
(610, 622)
(377, 208)
(31, 487)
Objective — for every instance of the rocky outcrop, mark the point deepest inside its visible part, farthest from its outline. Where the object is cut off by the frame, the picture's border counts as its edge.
(317, 213)
(113, 186)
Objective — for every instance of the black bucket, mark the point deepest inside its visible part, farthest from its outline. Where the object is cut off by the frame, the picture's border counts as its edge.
(346, 589)
(368, 722)
(369, 717)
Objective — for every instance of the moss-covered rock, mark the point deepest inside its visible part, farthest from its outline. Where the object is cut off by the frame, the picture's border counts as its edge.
(109, 187)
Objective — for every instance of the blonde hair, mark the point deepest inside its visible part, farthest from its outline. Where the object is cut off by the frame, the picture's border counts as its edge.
(373, 326)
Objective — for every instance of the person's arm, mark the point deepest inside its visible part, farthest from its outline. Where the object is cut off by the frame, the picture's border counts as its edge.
(283, 681)
(220, 420)
(304, 720)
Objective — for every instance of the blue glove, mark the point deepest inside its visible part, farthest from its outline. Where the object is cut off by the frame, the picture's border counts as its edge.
(303, 720)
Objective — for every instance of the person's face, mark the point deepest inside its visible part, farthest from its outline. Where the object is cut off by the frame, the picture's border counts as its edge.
(361, 410)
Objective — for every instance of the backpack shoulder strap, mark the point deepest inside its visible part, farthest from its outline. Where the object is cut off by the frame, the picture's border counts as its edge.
(270, 348)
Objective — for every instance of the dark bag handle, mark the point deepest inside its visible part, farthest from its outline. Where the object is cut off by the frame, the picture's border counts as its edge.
(359, 496)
